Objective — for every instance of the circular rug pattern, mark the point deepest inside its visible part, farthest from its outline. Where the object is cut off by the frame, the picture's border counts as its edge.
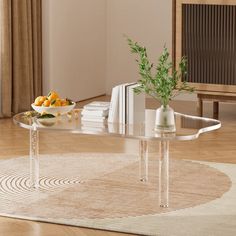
(99, 186)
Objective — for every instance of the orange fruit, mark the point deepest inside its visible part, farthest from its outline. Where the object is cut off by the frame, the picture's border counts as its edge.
(38, 101)
(42, 99)
(52, 96)
(46, 103)
(56, 103)
(63, 102)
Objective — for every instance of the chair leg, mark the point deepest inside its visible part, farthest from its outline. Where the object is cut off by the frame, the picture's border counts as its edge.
(200, 107)
(215, 109)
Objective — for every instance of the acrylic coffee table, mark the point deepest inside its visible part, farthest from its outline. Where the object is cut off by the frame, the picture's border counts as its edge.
(187, 128)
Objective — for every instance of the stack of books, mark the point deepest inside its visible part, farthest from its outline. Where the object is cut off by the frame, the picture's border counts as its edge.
(88, 126)
(95, 112)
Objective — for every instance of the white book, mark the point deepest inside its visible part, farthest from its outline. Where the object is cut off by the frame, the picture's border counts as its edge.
(136, 106)
(123, 102)
(127, 101)
(97, 105)
(100, 119)
(100, 113)
(119, 104)
(150, 117)
(113, 115)
(88, 124)
(92, 129)
(113, 127)
(93, 117)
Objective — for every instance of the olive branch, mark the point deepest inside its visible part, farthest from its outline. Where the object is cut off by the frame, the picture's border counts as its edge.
(167, 82)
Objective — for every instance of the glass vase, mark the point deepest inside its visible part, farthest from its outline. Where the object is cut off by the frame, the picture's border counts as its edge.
(165, 119)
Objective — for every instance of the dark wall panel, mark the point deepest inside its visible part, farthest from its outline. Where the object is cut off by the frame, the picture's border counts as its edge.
(209, 42)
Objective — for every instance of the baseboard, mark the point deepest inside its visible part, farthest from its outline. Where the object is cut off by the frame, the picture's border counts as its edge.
(90, 98)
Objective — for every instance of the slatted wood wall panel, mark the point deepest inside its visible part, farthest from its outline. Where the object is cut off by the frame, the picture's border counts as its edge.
(209, 42)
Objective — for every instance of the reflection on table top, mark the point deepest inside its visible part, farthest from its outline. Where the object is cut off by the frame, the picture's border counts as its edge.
(187, 127)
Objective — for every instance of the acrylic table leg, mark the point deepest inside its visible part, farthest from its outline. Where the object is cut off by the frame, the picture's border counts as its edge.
(143, 160)
(164, 173)
(34, 158)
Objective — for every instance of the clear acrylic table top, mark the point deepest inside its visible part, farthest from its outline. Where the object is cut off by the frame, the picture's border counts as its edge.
(187, 127)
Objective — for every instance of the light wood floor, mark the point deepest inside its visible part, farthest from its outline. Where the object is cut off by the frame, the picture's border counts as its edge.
(217, 146)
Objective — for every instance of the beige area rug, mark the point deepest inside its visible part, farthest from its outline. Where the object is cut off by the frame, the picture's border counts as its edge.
(103, 191)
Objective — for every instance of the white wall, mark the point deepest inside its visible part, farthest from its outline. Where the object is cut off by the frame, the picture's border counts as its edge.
(74, 47)
(84, 51)
(147, 21)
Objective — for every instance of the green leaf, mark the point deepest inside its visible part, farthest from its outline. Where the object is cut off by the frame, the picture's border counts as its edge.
(45, 116)
(69, 101)
(166, 79)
